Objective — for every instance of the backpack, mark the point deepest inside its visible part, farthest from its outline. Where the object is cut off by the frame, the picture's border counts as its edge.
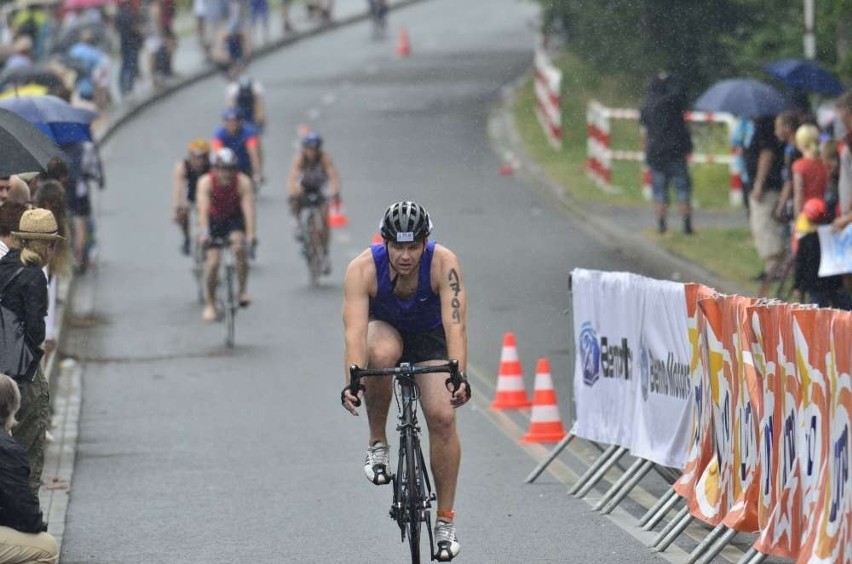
(245, 101)
(17, 358)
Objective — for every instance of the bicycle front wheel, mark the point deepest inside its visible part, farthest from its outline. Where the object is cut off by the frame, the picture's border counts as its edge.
(412, 503)
(230, 307)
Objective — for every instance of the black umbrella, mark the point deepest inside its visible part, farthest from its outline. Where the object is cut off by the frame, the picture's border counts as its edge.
(804, 74)
(70, 35)
(23, 148)
(31, 74)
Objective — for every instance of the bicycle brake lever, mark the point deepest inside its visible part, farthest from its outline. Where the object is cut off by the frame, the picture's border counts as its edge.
(354, 386)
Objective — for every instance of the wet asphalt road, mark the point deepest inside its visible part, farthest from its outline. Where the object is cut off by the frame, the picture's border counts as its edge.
(191, 453)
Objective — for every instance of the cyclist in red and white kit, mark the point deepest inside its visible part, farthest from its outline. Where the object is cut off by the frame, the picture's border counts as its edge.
(225, 212)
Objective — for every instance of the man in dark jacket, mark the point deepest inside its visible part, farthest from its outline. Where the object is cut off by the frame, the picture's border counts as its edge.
(22, 528)
(667, 145)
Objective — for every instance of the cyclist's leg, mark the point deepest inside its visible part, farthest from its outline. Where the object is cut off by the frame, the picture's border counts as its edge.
(444, 445)
(384, 348)
(211, 273)
(238, 244)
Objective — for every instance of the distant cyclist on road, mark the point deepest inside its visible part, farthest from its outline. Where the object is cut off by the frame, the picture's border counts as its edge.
(187, 172)
(242, 139)
(311, 171)
(405, 301)
(246, 95)
(225, 211)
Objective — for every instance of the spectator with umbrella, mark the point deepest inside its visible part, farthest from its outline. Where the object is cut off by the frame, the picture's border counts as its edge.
(764, 159)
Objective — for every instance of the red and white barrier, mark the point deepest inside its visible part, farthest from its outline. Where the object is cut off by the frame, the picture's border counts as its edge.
(601, 155)
(548, 88)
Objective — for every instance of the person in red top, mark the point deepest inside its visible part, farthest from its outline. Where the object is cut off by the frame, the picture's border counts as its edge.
(225, 211)
(810, 174)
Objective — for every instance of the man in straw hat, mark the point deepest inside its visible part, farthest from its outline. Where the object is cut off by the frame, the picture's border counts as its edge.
(25, 295)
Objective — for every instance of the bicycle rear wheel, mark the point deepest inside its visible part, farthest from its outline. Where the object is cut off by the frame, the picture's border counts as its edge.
(230, 307)
(314, 253)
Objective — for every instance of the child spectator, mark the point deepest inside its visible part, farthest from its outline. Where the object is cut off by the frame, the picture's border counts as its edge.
(810, 174)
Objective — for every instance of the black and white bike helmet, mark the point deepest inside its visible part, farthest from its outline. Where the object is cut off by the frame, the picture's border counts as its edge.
(223, 158)
(405, 222)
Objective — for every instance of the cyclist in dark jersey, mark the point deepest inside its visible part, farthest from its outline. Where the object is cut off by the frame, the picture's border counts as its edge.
(405, 301)
(225, 211)
(312, 170)
(184, 180)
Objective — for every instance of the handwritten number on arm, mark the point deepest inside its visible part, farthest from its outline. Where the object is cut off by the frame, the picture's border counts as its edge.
(455, 286)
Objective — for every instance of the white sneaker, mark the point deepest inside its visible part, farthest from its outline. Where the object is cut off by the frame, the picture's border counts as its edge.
(445, 539)
(376, 464)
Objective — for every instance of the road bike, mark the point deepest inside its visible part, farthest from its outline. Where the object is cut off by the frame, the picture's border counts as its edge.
(412, 487)
(226, 293)
(311, 228)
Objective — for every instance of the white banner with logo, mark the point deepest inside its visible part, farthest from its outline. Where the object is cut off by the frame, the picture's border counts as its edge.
(835, 251)
(607, 318)
(661, 420)
(632, 368)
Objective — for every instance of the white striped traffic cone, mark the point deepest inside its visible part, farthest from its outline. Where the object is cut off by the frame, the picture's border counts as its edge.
(510, 380)
(545, 423)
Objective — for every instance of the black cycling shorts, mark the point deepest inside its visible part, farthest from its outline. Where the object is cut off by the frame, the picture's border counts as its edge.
(221, 228)
(423, 346)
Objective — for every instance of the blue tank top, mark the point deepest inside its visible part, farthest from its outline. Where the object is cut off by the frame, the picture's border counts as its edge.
(422, 312)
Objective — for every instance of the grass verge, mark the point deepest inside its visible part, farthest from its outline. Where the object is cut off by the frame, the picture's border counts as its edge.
(728, 253)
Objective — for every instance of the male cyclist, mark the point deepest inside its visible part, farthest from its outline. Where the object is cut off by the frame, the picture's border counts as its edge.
(242, 139)
(246, 96)
(405, 301)
(225, 211)
(311, 171)
(184, 181)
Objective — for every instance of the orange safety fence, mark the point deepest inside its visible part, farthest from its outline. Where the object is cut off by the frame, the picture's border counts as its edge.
(772, 409)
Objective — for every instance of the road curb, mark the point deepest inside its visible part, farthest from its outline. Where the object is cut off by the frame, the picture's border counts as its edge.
(506, 140)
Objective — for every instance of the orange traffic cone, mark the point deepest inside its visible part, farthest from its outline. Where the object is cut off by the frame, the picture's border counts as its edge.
(545, 424)
(510, 382)
(377, 239)
(403, 44)
(336, 215)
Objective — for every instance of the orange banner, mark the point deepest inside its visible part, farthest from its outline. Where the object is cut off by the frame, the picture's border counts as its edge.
(700, 442)
(828, 538)
(782, 533)
(724, 486)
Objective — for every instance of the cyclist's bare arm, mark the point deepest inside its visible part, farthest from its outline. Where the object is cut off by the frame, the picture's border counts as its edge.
(202, 198)
(293, 188)
(179, 187)
(253, 147)
(333, 175)
(259, 109)
(448, 282)
(247, 205)
(358, 284)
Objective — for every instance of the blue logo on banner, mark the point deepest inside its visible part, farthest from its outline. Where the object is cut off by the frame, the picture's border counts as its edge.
(644, 369)
(590, 353)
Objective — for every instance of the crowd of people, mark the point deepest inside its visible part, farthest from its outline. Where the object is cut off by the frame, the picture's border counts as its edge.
(796, 175)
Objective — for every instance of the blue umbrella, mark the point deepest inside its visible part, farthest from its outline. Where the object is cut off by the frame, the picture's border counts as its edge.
(743, 97)
(805, 74)
(55, 117)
